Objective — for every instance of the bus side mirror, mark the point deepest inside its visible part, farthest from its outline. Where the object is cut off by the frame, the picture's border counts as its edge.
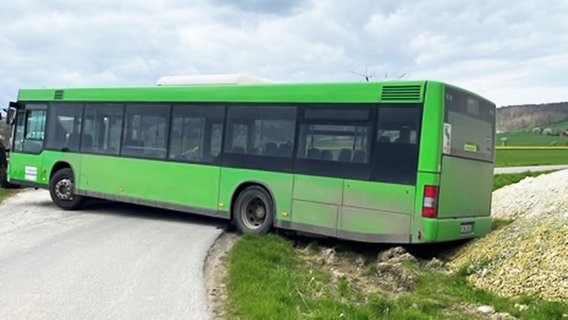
(11, 116)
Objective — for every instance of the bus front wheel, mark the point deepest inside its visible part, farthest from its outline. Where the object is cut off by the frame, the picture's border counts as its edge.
(253, 211)
(62, 190)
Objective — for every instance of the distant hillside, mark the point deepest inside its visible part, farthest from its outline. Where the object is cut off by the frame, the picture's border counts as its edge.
(531, 115)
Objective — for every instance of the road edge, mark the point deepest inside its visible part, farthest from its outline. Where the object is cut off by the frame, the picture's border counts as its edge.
(215, 274)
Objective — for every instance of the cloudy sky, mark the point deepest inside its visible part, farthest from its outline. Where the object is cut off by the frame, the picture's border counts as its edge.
(510, 52)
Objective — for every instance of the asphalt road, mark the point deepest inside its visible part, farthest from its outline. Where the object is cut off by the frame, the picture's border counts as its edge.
(110, 261)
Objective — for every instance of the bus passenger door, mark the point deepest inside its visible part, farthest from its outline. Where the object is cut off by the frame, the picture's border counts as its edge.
(333, 144)
(26, 159)
(193, 174)
(380, 208)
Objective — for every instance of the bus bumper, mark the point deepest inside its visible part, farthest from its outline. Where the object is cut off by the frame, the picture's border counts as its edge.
(439, 230)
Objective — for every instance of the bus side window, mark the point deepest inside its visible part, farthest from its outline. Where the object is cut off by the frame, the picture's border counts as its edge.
(261, 130)
(196, 133)
(145, 130)
(335, 135)
(19, 133)
(64, 126)
(35, 131)
(396, 147)
(101, 128)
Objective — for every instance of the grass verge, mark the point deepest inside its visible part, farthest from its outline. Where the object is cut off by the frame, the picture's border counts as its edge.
(4, 193)
(530, 157)
(501, 180)
(497, 224)
(268, 278)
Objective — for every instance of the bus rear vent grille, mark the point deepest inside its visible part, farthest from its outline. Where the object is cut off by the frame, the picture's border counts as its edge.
(402, 93)
(58, 95)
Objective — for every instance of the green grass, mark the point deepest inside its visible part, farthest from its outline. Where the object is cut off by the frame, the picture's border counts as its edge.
(268, 280)
(559, 125)
(527, 138)
(527, 157)
(500, 223)
(501, 180)
(4, 193)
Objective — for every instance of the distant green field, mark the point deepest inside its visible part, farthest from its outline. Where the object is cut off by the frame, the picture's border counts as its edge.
(527, 138)
(559, 125)
(530, 157)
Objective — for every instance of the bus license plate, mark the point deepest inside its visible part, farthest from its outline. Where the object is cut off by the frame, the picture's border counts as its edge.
(466, 227)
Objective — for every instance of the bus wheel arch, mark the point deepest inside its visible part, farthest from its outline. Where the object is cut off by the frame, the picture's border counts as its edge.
(58, 166)
(252, 208)
(62, 187)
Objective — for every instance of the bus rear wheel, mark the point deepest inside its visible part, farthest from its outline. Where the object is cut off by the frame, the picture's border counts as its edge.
(253, 211)
(62, 190)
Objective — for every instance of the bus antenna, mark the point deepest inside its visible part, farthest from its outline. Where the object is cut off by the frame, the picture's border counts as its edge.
(366, 75)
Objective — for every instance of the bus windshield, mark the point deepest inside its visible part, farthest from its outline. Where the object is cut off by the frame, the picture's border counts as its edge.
(469, 130)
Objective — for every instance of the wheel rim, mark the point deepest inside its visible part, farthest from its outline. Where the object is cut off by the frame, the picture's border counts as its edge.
(64, 189)
(253, 212)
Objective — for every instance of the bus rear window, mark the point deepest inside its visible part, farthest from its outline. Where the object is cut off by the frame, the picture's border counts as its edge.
(469, 126)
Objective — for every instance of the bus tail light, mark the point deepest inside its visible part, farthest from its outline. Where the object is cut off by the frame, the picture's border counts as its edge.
(430, 204)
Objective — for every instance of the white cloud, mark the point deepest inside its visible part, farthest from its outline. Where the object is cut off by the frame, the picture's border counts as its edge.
(510, 53)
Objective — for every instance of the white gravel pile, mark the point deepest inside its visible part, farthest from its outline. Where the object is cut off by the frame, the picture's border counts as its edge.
(533, 196)
(529, 256)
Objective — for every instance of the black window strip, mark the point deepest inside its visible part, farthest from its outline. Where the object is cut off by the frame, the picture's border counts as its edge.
(270, 163)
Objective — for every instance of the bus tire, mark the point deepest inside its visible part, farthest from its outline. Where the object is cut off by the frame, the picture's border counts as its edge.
(253, 211)
(4, 178)
(62, 190)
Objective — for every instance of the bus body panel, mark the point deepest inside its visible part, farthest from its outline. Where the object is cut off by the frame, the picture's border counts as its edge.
(52, 158)
(374, 225)
(465, 188)
(314, 217)
(388, 197)
(382, 211)
(438, 230)
(418, 228)
(431, 131)
(182, 184)
(26, 168)
(290, 93)
(316, 201)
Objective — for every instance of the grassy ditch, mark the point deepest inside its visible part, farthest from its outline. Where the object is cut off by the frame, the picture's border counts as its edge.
(270, 278)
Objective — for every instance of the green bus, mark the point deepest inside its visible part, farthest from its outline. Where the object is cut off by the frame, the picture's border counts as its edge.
(393, 161)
